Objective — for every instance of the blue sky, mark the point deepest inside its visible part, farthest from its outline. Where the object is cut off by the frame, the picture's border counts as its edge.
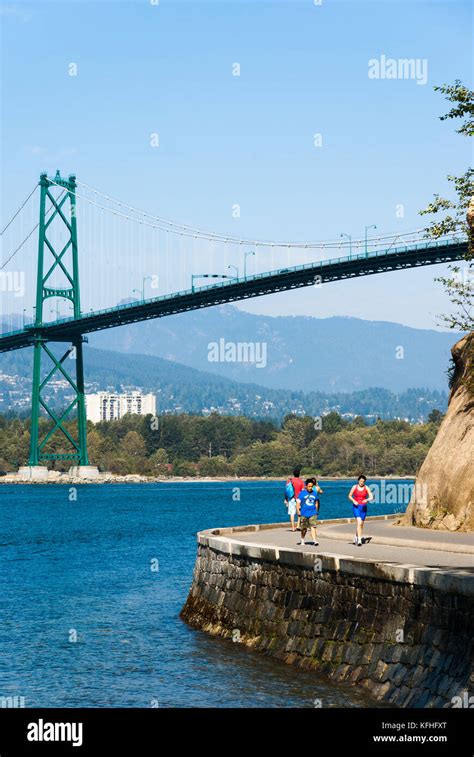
(248, 139)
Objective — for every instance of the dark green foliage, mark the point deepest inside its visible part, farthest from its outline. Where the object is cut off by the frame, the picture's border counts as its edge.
(190, 445)
(451, 372)
(450, 215)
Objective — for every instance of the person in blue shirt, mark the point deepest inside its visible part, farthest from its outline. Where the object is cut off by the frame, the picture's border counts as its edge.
(307, 505)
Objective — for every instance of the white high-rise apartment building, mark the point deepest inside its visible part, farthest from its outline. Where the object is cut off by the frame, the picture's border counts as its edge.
(110, 406)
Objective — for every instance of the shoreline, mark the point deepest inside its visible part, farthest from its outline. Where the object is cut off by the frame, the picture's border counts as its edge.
(56, 477)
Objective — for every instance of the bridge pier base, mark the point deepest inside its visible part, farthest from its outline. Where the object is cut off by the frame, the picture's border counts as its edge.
(33, 473)
(84, 471)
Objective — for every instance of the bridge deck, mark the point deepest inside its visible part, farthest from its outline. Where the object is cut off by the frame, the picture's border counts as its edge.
(283, 279)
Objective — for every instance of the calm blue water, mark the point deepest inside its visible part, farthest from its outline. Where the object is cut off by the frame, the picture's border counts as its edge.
(85, 566)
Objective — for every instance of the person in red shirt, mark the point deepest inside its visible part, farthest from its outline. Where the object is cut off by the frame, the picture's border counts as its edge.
(298, 486)
(360, 495)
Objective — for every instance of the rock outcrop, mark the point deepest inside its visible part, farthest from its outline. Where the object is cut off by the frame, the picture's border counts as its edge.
(443, 497)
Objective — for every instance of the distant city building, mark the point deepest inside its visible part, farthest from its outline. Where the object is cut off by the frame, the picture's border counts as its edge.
(110, 406)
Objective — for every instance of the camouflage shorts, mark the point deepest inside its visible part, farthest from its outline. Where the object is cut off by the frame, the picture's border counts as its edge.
(306, 523)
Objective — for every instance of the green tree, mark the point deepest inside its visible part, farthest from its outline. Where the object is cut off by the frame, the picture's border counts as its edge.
(184, 468)
(451, 215)
(436, 416)
(333, 422)
(133, 444)
(132, 451)
(214, 466)
(158, 462)
(100, 448)
(298, 431)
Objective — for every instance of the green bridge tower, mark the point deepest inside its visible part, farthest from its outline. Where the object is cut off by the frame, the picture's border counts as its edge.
(57, 220)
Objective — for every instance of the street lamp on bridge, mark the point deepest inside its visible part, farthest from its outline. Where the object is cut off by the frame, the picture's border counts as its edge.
(142, 292)
(245, 262)
(146, 278)
(373, 226)
(350, 243)
(236, 270)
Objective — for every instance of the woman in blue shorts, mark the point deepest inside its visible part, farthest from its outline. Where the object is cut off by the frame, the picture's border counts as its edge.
(359, 495)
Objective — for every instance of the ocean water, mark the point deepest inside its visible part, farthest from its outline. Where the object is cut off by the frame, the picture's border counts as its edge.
(91, 589)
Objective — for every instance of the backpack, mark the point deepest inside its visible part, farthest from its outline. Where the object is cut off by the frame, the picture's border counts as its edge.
(289, 490)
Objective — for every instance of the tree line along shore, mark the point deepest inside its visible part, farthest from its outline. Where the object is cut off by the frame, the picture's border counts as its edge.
(228, 446)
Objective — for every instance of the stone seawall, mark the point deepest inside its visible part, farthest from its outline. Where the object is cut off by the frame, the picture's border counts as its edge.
(405, 633)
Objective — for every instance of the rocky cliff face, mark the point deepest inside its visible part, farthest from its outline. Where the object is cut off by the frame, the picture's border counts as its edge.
(444, 493)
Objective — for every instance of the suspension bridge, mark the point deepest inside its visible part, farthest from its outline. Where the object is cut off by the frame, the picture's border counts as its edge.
(51, 272)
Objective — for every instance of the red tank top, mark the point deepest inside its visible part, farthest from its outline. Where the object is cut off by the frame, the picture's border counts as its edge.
(360, 494)
(298, 485)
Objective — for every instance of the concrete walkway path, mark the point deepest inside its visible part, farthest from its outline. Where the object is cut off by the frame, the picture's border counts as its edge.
(384, 542)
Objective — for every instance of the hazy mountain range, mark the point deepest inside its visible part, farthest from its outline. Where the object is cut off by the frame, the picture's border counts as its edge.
(311, 366)
(301, 353)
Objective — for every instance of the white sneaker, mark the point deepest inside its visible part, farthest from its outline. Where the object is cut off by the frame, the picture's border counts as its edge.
(301, 542)
(354, 540)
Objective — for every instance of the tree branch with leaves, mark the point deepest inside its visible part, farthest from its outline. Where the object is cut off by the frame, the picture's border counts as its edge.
(456, 216)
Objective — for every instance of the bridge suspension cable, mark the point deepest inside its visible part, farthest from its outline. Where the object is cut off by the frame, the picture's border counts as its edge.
(173, 227)
(19, 210)
(30, 233)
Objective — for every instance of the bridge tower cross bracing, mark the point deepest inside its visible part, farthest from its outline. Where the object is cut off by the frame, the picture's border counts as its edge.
(64, 261)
